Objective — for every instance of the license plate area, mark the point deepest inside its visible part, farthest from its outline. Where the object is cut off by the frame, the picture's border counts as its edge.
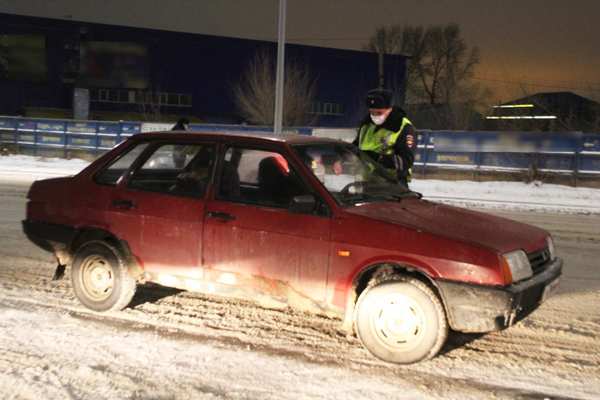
(550, 289)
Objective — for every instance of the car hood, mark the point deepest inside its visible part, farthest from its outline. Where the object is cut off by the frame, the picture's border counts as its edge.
(496, 233)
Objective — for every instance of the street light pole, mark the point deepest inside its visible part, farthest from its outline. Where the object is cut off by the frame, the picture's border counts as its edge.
(280, 79)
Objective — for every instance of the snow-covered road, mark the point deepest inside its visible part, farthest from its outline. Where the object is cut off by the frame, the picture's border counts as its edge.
(173, 344)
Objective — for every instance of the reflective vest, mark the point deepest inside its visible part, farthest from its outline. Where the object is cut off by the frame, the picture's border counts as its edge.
(381, 140)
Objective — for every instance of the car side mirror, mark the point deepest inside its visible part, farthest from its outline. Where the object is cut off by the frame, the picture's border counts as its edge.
(303, 204)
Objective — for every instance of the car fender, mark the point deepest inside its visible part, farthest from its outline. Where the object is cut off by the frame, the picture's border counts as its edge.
(383, 265)
(86, 234)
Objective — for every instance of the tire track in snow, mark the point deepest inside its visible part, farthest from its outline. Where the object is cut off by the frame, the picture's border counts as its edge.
(550, 354)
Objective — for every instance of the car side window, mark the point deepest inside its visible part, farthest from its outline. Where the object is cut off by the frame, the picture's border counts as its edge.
(177, 169)
(111, 174)
(258, 177)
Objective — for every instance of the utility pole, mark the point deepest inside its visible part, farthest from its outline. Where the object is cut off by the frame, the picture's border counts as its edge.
(380, 61)
(280, 79)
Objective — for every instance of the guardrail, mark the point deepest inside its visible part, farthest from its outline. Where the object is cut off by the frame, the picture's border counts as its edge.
(557, 152)
(38, 134)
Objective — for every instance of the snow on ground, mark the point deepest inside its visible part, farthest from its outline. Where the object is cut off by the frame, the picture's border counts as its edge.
(85, 359)
(184, 345)
(535, 196)
(26, 169)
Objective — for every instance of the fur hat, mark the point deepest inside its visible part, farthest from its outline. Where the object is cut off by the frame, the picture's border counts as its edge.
(379, 98)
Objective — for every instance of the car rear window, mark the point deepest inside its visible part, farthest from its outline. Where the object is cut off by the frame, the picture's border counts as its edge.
(110, 175)
(176, 169)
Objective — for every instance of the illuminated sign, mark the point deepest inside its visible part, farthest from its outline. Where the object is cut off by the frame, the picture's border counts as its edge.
(515, 106)
(522, 117)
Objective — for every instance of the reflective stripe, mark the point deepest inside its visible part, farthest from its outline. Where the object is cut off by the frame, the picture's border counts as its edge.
(381, 141)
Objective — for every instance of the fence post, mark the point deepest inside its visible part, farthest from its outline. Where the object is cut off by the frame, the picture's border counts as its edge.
(96, 140)
(477, 157)
(578, 148)
(35, 139)
(425, 153)
(17, 148)
(16, 134)
(66, 139)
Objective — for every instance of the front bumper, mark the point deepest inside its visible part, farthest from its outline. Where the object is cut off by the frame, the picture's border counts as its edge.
(477, 308)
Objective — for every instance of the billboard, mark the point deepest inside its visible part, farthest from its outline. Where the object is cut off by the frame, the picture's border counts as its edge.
(23, 58)
(114, 65)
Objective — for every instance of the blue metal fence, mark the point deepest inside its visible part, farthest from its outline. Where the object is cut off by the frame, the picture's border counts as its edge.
(560, 152)
(38, 134)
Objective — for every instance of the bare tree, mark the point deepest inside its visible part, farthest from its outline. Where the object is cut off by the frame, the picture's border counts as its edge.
(396, 39)
(386, 40)
(444, 61)
(254, 94)
(439, 70)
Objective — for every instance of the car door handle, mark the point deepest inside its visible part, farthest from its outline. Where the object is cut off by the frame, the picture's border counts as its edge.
(123, 204)
(220, 215)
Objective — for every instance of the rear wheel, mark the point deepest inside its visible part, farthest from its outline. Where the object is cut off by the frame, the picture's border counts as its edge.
(100, 278)
(401, 321)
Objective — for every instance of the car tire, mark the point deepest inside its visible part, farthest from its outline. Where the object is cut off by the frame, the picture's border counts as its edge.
(401, 321)
(100, 278)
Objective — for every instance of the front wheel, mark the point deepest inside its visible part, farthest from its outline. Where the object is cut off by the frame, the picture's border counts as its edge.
(100, 278)
(401, 321)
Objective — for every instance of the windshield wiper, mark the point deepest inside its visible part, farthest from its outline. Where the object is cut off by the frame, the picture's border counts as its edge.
(357, 198)
(373, 195)
(395, 196)
(367, 197)
(409, 193)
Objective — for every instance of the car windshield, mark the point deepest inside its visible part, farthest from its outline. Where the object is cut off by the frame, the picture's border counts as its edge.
(349, 175)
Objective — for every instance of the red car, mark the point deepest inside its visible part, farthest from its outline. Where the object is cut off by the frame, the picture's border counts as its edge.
(293, 220)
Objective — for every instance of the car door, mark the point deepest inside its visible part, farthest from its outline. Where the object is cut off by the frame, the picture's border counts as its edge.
(98, 198)
(163, 197)
(250, 231)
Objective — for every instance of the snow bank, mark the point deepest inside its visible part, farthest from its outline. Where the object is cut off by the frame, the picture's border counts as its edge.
(26, 169)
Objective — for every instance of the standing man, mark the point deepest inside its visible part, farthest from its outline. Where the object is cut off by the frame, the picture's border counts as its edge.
(386, 135)
(179, 157)
(183, 124)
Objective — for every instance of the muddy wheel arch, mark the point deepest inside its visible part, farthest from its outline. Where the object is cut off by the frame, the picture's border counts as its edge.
(378, 273)
(87, 234)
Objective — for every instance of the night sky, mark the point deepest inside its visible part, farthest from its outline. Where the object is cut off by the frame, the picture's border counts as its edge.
(527, 46)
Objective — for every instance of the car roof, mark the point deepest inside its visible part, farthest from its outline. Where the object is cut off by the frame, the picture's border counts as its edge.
(289, 138)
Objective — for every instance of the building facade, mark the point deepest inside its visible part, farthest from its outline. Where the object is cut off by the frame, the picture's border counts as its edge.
(147, 72)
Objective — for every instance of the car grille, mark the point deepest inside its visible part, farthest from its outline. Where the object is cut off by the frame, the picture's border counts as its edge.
(539, 259)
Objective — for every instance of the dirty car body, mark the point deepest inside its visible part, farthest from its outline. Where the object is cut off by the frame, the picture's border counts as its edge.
(290, 221)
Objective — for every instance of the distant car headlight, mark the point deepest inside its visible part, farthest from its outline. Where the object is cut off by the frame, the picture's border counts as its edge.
(551, 248)
(518, 264)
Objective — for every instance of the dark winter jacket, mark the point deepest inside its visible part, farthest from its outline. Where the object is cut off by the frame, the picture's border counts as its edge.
(181, 125)
(403, 147)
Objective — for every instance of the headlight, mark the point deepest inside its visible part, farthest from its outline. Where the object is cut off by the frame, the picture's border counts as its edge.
(518, 264)
(551, 249)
